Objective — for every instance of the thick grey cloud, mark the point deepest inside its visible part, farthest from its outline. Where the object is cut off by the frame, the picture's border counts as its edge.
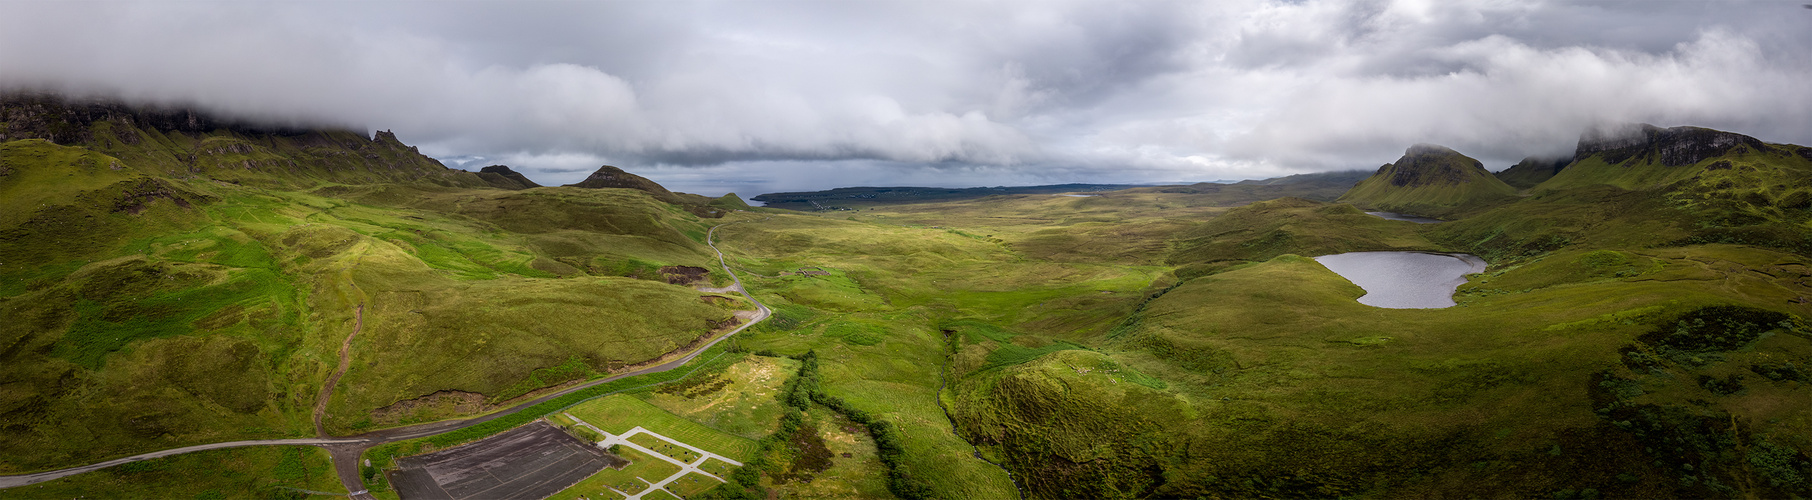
(763, 96)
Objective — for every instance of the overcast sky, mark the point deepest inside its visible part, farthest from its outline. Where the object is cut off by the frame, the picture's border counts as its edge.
(761, 96)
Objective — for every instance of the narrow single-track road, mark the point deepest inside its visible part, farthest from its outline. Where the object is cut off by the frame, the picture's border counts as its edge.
(347, 450)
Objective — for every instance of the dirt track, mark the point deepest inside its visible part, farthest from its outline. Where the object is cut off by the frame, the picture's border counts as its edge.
(333, 380)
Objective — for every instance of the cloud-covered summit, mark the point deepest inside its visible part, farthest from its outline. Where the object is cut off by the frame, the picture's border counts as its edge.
(761, 96)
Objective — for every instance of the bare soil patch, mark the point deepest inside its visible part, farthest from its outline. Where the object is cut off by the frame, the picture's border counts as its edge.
(685, 275)
(432, 406)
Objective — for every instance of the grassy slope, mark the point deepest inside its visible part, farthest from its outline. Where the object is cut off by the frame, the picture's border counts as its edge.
(1523, 390)
(873, 321)
(1298, 390)
(896, 278)
(156, 310)
(1531, 171)
(1263, 230)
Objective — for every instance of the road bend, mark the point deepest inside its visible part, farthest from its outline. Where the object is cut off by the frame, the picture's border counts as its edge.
(346, 451)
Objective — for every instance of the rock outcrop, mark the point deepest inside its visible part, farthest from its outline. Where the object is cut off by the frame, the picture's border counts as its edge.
(1673, 147)
(501, 176)
(1642, 157)
(1533, 170)
(181, 142)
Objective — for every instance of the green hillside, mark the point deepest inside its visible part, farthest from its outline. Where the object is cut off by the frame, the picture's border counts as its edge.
(1263, 230)
(1585, 363)
(1640, 333)
(1532, 170)
(1430, 180)
(170, 279)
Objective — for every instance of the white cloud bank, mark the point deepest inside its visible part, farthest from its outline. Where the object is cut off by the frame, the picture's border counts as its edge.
(795, 95)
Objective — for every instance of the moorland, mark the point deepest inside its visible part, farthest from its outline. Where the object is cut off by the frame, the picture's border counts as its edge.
(171, 279)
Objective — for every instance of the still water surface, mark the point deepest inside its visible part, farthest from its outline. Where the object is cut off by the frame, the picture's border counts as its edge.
(1404, 280)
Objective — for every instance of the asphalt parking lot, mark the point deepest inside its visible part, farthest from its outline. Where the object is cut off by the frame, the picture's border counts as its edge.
(530, 462)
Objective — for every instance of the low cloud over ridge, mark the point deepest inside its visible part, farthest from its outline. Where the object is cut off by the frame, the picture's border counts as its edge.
(786, 96)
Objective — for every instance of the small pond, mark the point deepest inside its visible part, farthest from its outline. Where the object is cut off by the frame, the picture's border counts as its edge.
(1407, 217)
(1404, 280)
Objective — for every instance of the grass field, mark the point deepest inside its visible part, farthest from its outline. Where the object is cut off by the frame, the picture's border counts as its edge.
(692, 484)
(1269, 376)
(739, 400)
(718, 467)
(660, 495)
(1640, 333)
(199, 310)
(628, 480)
(618, 414)
(665, 447)
(253, 472)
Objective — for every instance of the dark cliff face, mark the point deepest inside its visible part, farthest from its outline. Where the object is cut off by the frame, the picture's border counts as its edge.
(1533, 170)
(1672, 147)
(1428, 164)
(64, 120)
(173, 141)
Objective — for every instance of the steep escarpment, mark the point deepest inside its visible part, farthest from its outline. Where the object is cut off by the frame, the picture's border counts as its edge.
(1430, 180)
(1646, 157)
(1532, 170)
(180, 142)
(1649, 186)
(1672, 147)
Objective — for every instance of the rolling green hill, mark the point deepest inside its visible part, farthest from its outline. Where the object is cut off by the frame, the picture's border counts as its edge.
(1263, 230)
(1430, 180)
(1641, 331)
(172, 278)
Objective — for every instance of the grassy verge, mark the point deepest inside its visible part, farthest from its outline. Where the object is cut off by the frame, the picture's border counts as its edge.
(285, 472)
(385, 455)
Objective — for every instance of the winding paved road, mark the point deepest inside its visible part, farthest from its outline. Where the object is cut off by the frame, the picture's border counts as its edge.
(347, 450)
